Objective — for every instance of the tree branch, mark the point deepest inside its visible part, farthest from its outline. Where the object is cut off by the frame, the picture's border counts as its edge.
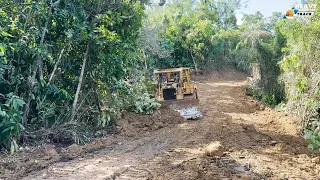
(55, 67)
(194, 61)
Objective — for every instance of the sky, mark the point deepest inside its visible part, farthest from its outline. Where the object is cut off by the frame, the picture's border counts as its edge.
(266, 7)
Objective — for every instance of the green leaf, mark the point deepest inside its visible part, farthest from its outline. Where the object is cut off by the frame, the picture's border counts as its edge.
(43, 83)
(3, 13)
(7, 129)
(2, 48)
(22, 128)
(10, 94)
(20, 102)
(14, 103)
(3, 66)
(3, 113)
(5, 34)
(2, 124)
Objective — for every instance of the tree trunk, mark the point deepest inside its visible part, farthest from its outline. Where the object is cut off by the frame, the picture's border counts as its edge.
(74, 106)
(194, 62)
(145, 60)
(39, 60)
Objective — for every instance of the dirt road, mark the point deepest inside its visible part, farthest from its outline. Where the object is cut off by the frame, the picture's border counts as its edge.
(259, 143)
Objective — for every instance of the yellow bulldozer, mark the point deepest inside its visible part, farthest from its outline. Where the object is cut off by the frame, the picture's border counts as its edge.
(176, 89)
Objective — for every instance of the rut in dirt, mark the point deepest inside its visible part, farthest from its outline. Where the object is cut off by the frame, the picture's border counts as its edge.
(258, 143)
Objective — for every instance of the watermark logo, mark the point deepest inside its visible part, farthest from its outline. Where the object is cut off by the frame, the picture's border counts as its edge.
(305, 10)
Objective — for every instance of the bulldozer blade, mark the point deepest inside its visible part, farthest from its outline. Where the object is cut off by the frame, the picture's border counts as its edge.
(190, 113)
(188, 108)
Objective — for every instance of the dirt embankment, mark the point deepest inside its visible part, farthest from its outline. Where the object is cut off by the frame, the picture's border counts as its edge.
(133, 124)
(238, 138)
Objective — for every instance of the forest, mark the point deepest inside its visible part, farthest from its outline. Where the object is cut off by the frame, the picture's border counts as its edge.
(69, 69)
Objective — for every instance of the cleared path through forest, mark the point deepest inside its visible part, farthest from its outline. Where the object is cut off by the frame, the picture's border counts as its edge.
(260, 144)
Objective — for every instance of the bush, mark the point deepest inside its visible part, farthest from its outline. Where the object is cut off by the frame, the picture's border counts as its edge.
(282, 107)
(249, 90)
(269, 100)
(313, 138)
(10, 121)
(254, 92)
(138, 97)
(145, 104)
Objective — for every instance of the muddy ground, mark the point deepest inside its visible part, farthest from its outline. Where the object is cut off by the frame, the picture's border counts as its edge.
(256, 143)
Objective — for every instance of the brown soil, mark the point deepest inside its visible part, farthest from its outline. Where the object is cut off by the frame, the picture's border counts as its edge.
(259, 143)
(133, 124)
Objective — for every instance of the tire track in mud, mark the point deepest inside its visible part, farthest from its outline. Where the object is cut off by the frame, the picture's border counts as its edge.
(176, 144)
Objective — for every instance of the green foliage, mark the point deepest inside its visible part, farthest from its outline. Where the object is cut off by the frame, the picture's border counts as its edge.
(42, 49)
(281, 107)
(139, 96)
(313, 139)
(254, 92)
(10, 121)
(249, 90)
(260, 95)
(254, 21)
(301, 72)
(198, 33)
(244, 57)
(145, 104)
(269, 100)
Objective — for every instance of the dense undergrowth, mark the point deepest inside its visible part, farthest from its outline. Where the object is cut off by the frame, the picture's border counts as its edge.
(301, 74)
(69, 69)
(64, 67)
